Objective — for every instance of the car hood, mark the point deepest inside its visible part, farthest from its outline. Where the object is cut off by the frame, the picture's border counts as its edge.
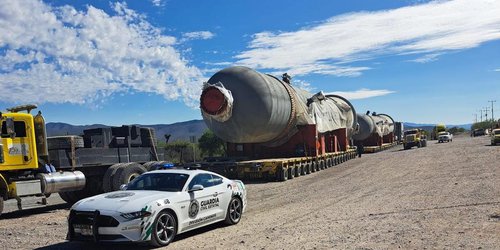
(122, 201)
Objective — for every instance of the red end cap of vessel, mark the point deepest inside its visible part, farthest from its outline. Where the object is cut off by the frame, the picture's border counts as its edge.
(213, 101)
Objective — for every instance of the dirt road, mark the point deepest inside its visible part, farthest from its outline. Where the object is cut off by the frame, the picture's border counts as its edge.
(444, 196)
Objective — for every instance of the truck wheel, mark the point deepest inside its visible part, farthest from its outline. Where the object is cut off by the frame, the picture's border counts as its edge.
(126, 173)
(297, 170)
(64, 142)
(69, 197)
(107, 179)
(151, 164)
(291, 172)
(302, 169)
(282, 174)
(309, 167)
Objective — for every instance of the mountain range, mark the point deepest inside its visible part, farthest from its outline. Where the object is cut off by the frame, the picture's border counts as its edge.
(182, 131)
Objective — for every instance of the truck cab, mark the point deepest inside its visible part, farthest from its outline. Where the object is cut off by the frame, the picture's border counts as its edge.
(76, 167)
(414, 137)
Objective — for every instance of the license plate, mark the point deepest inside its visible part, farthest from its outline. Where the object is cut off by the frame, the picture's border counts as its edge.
(83, 229)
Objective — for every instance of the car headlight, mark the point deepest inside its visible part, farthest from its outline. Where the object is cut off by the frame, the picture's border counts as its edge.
(136, 215)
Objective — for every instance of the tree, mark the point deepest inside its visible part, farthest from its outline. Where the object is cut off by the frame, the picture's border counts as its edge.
(175, 150)
(456, 130)
(483, 125)
(211, 145)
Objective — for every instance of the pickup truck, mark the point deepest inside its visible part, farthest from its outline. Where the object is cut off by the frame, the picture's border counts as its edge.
(444, 136)
(495, 136)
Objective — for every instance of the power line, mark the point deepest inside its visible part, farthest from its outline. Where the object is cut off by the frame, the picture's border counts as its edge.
(492, 116)
(486, 113)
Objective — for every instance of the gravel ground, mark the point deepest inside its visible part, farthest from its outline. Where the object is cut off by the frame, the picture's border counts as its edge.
(444, 196)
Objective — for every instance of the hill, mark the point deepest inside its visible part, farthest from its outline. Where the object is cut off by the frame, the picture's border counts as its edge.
(178, 131)
(427, 126)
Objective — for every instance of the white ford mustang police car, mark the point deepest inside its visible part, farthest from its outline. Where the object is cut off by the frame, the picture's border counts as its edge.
(156, 206)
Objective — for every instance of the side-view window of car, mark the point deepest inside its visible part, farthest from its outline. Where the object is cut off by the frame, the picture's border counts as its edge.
(216, 180)
(202, 179)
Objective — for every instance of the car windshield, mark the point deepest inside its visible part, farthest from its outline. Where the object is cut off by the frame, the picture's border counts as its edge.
(443, 133)
(497, 132)
(170, 182)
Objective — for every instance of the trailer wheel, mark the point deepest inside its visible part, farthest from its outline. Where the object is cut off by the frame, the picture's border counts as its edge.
(282, 174)
(309, 167)
(107, 179)
(291, 172)
(126, 173)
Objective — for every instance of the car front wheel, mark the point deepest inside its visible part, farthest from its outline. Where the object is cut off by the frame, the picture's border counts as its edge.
(164, 229)
(234, 211)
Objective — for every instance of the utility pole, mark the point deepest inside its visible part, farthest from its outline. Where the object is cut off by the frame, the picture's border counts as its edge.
(481, 116)
(486, 113)
(492, 116)
(475, 121)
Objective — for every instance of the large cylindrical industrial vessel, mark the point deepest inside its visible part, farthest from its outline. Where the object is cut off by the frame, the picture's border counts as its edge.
(373, 125)
(241, 105)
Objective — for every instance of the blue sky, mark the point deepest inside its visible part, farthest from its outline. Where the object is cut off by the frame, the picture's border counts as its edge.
(87, 62)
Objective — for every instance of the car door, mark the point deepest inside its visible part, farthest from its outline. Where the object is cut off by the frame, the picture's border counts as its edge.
(200, 210)
(224, 194)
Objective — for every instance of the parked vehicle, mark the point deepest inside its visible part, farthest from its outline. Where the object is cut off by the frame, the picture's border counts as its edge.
(445, 137)
(414, 137)
(436, 130)
(157, 206)
(73, 166)
(478, 132)
(282, 131)
(495, 136)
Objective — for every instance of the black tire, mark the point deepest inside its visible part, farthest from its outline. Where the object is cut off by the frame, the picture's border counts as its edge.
(153, 165)
(64, 142)
(164, 229)
(282, 174)
(309, 167)
(107, 179)
(69, 197)
(291, 172)
(126, 174)
(297, 170)
(234, 211)
(93, 186)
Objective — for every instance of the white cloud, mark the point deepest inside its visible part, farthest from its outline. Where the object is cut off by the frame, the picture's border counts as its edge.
(427, 58)
(497, 70)
(327, 48)
(301, 84)
(63, 55)
(158, 3)
(197, 35)
(362, 93)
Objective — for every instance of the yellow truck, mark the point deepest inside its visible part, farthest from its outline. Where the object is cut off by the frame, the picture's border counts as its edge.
(436, 130)
(414, 137)
(74, 166)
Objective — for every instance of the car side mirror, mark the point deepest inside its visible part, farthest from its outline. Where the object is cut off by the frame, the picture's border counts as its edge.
(196, 187)
(123, 187)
